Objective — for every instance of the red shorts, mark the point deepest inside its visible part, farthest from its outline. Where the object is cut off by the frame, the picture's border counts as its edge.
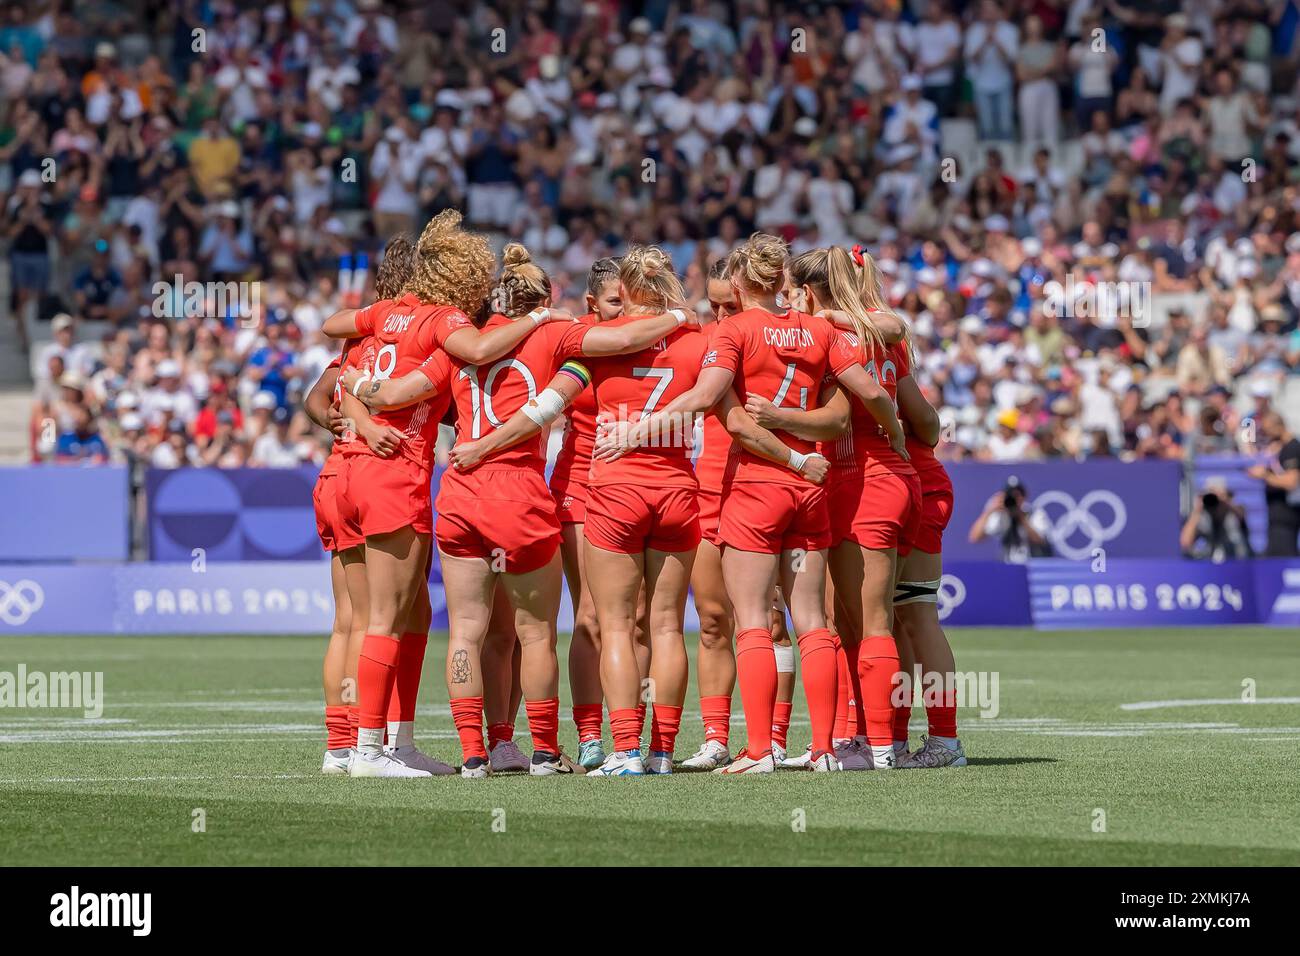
(381, 495)
(505, 516)
(336, 533)
(631, 519)
(878, 511)
(769, 518)
(710, 505)
(936, 511)
(570, 503)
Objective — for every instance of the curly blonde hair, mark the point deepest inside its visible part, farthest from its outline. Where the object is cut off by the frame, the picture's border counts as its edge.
(396, 267)
(524, 284)
(759, 265)
(647, 274)
(453, 266)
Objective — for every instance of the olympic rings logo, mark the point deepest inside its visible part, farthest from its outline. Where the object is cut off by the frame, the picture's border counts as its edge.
(1078, 518)
(950, 596)
(18, 602)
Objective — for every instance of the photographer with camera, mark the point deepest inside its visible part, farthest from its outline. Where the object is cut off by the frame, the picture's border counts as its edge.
(1216, 526)
(1022, 531)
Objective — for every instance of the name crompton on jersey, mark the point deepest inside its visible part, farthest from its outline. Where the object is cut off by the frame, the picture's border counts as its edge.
(787, 338)
(398, 322)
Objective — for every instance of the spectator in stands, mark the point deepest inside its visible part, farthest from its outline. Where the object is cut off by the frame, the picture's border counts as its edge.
(234, 164)
(81, 444)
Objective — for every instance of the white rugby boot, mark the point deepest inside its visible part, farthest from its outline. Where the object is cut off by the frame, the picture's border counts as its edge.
(710, 756)
(380, 765)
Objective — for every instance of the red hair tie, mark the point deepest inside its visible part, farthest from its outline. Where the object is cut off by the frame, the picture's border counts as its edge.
(856, 252)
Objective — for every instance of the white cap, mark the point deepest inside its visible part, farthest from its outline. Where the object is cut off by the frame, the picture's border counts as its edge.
(911, 82)
(1032, 247)
(168, 368)
(1261, 389)
(126, 400)
(264, 400)
(131, 422)
(971, 325)
(30, 177)
(805, 126)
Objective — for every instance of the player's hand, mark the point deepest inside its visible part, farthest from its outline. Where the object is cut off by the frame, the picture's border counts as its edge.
(348, 379)
(336, 421)
(613, 440)
(899, 444)
(382, 439)
(466, 456)
(816, 468)
(762, 410)
(559, 315)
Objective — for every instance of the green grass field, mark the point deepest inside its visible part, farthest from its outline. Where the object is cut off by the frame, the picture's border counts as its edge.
(231, 726)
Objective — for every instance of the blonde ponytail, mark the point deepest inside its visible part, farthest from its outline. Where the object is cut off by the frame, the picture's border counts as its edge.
(523, 285)
(646, 272)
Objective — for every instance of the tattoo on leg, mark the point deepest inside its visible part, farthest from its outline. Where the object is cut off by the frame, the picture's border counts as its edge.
(460, 669)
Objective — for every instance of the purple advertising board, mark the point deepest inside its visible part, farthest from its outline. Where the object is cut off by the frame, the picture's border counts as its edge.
(294, 597)
(65, 513)
(236, 514)
(983, 593)
(1131, 510)
(1136, 593)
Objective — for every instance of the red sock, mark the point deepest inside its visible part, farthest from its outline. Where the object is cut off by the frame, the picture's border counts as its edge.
(756, 675)
(410, 664)
(877, 665)
(338, 735)
(857, 722)
(544, 724)
(781, 721)
(376, 674)
(716, 712)
(587, 718)
(354, 721)
(467, 715)
(843, 692)
(943, 717)
(664, 724)
(902, 717)
(819, 667)
(499, 732)
(626, 728)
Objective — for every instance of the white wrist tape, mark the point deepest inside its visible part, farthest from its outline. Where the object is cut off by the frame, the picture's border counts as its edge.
(545, 408)
(797, 461)
(539, 315)
(680, 315)
(356, 386)
(784, 658)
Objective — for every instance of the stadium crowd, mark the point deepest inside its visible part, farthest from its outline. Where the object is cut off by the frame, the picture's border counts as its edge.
(1141, 145)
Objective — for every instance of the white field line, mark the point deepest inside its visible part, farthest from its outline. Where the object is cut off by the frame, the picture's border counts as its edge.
(1206, 702)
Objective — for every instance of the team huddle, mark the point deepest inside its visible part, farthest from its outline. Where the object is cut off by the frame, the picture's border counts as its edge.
(776, 457)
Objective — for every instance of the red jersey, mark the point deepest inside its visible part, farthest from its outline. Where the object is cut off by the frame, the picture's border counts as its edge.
(403, 339)
(783, 358)
(865, 445)
(923, 460)
(715, 452)
(488, 395)
(331, 464)
(631, 387)
(573, 463)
